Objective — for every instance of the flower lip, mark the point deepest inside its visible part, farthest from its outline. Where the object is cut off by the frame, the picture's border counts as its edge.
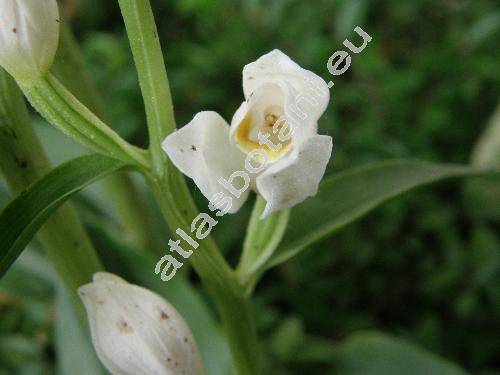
(260, 123)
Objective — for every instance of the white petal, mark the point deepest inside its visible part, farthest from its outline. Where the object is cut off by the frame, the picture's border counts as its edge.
(202, 151)
(306, 94)
(134, 331)
(296, 177)
(29, 35)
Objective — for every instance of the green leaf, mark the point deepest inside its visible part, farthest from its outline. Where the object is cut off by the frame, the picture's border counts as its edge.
(73, 346)
(379, 354)
(30, 279)
(24, 216)
(350, 195)
(63, 110)
(486, 151)
(482, 193)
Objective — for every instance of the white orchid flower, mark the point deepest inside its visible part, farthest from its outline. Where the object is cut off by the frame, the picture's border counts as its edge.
(135, 331)
(29, 35)
(272, 145)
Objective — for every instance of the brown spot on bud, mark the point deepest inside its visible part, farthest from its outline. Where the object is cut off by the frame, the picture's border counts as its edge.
(163, 315)
(124, 327)
(14, 30)
(193, 147)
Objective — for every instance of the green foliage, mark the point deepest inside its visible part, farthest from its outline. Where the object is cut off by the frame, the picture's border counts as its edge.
(369, 353)
(424, 267)
(486, 152)
(22, 218)
(376, 354)
(357, 192)
(26, 294)
(72, 344)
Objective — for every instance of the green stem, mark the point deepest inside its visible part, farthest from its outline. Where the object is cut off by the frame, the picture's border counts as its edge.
(262, 239)
(132, 212)
(229, 296)
(148, 58)
(59, 107)
(23, 161)
(173, 194)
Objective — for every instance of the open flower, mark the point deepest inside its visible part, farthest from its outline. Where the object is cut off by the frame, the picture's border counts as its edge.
(272, 145)
(135, 331)
(29, 34)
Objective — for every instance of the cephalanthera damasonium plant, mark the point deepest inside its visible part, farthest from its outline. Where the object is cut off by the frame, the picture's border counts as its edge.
(273, 135)
(271, 147)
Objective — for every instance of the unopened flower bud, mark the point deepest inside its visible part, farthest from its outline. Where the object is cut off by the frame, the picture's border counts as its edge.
(29, 35)
(135, 331)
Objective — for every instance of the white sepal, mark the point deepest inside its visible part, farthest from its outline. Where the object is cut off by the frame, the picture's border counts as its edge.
(295, 177)
(202, 151)
(135, 331)
(29, 35)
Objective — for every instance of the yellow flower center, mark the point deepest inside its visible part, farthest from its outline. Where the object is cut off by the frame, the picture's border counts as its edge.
(270, 124)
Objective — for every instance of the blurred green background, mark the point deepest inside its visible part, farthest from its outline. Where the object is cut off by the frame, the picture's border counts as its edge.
(424, 267)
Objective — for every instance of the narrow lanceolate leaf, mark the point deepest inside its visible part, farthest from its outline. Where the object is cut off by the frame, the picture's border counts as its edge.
(375, 353)
(486, 151)
(22, 218)
(348, 196)
(486, 154)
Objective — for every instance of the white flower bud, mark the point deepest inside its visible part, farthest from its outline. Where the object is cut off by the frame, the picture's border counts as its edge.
(135, 331)
(29, 35)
